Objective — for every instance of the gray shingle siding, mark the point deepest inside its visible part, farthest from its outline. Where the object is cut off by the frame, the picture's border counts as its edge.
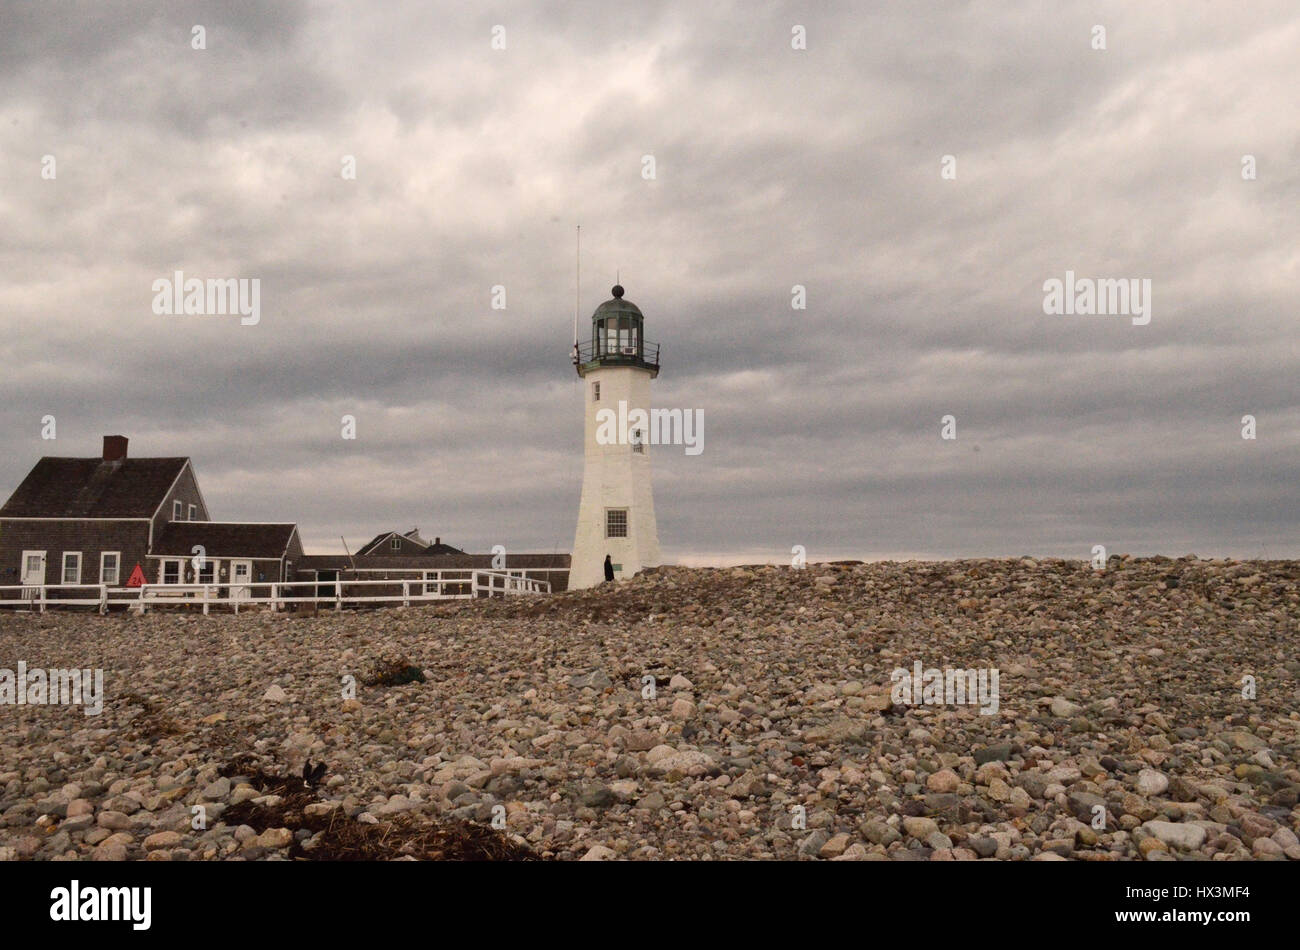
(186, 491)
(91, 538)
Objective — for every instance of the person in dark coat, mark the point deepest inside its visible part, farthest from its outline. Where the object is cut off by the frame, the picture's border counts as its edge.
(609, 569)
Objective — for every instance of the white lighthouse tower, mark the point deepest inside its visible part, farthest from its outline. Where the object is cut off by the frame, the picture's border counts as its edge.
(616, 516)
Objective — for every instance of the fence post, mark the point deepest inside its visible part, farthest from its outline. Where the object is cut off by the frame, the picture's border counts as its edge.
(103, 598)
(275, 597)
(205, 600)
(338, 593)
(142, 605)
(42, 598)
(406, 593)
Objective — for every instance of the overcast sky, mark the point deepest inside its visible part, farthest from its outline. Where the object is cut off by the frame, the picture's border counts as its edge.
(774, 167)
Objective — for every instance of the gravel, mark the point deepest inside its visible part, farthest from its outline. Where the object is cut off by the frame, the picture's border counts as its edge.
(1126, 727)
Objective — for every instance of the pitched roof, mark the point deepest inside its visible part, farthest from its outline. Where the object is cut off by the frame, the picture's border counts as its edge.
(482, 562)
(375, 546)
(373, 541)
(93, 488)
(223, 539)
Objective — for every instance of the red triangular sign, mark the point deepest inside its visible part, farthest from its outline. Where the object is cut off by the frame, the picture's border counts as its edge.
(137, 578)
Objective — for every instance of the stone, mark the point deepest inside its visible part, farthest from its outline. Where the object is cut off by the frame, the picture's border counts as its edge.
(1062, 708)
(1065, 775)
(837, 730)
(274, 838)
(945, 780)
(640, 740)
(689, 762)
(835, 847)
(920, 828)
(218, 790)
(1151, 782)
(993, 753)
(163, 839)
(1084, 805)
(813, 842)
(598, 796)
(938, 841)
(1245, 741)
(999, 790)
(596, 679)
(1266, 847)
(1178, 834)
(112, 848)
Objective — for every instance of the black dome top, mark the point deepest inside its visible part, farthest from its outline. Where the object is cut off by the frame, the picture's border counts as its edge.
(616, 305)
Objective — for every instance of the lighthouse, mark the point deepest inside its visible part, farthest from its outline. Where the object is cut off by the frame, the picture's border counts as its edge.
(616, 516)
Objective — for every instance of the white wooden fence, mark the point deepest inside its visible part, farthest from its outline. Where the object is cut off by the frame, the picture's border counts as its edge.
(434, 586)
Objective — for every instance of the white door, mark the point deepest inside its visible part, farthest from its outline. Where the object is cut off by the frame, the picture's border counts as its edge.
(33, 572)
(241, 574)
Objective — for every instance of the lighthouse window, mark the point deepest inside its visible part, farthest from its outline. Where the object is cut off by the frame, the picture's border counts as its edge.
(595, 392)
(637, 444)
(616, 522)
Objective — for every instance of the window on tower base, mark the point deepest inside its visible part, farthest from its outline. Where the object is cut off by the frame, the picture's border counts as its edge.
(616, 522)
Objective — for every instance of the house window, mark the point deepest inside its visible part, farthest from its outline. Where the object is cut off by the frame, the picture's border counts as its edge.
(595, 392)
(395, 544)
(178, 510)
(616, 522)
(194, 512)
(110, 567)
(171, 571)
(72, 567)
(208, 571)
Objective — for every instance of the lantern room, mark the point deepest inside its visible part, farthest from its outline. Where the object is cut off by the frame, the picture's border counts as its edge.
(617, 338)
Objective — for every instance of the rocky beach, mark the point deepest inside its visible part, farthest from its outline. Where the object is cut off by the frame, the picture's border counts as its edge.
(1147, 711)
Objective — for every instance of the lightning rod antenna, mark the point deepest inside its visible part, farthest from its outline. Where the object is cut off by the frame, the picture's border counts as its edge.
(577, 283)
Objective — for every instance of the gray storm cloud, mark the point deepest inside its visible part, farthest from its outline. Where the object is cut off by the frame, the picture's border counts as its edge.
(775, 167)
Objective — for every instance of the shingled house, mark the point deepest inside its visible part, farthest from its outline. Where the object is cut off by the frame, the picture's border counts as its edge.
(392, 544)
(76, 522)
(429, 569)
(79, 521)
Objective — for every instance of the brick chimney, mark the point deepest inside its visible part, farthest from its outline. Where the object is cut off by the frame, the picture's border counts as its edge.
(114, 448)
